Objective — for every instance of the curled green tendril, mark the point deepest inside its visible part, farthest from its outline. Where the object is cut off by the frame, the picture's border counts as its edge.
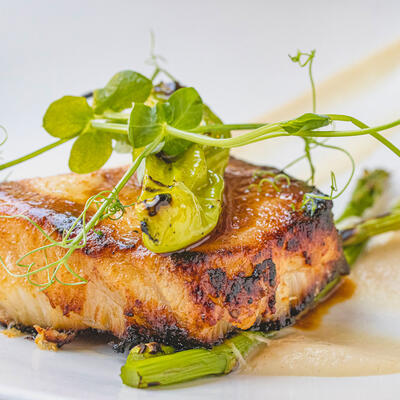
(107, 204)
(114, 207)
(273, 179)
(170, 127)
(155, 59)
(308, 60)
(311, 197)
(5, 135)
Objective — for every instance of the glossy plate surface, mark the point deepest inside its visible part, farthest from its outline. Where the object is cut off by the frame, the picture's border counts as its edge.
(369, 90)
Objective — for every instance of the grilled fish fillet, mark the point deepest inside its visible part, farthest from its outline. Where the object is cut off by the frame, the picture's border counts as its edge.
(260, 268)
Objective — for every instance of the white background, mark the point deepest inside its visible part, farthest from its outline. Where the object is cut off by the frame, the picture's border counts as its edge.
(234, 52)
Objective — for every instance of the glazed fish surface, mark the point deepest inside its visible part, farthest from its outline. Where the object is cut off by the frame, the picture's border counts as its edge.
(260, 268)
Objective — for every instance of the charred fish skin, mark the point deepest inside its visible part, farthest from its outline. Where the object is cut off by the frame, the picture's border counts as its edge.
(260, 267)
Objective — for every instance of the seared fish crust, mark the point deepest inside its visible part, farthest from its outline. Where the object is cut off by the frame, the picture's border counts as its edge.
(262, 265)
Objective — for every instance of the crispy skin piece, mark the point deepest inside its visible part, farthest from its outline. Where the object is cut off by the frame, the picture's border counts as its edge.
(261, 266)
(51, 339)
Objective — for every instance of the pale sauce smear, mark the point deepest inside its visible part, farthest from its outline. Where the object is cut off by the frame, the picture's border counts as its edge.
(356, 332)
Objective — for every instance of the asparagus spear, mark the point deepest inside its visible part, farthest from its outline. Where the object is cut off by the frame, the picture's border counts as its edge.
(190, 364)
(367, 191)
(160, 368)
(371, 227)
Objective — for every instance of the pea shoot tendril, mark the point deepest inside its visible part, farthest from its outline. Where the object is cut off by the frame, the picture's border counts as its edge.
(133, 114)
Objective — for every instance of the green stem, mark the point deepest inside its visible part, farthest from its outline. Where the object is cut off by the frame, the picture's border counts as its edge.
(36, 153)
(227, 127)
(190, 364)
(223, 143)
(265, 132)
(110, 127)
(358, 132)
(155, 73)
(314, 97)
(333, 184)
(367, 191)
(307, 147)
(351, 253)
(356, 122)
(116, 116)
(116, 127)
(369, 187)
(258, 132)
(118, 187)
(262, 132)
(371, 227)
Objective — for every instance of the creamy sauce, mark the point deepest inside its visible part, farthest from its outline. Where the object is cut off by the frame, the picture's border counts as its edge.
(356, 332)
(329, 351)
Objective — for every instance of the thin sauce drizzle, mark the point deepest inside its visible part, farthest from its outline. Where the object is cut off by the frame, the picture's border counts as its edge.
(313, 319)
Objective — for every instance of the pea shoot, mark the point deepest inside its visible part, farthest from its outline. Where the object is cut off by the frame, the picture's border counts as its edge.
(180, 150)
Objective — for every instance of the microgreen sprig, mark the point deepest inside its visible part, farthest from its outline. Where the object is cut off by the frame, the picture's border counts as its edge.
(305, 126)
(155, 59)
(5, 137)
(303, 59)
(130, 112)
(107, 206)
(268, 177)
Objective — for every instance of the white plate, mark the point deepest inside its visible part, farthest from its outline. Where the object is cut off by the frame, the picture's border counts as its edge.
(91, 371)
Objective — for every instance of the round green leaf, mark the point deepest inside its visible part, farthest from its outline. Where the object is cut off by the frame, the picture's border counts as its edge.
(306, 122)
(67, 116)
(186, 109)
(90, 152)
(124, 88)
(145, 124)
(173, 147)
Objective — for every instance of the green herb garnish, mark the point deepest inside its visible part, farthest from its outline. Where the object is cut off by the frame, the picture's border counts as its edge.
(181, 149)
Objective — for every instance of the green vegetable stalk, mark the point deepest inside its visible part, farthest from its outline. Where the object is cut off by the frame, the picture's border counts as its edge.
(371, 227)
(190, 364)
(222, 359)
(368, 189)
